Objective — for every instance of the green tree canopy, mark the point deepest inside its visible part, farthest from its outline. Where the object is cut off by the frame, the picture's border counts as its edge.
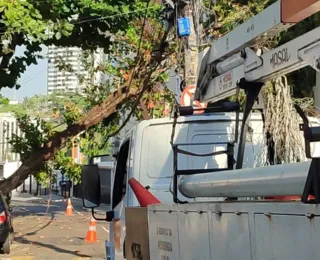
(119, 28)
(82, 23)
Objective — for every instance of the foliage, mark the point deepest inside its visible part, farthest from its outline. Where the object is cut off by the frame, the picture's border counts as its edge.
(224, 15)
(3, 101)
(95, 140)
(50, 107)
(34, 134)
(70, 111)
(68, 166)
(83, 23)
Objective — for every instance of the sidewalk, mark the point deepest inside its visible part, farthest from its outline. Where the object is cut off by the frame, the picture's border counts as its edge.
(16, 196)
(76, 202)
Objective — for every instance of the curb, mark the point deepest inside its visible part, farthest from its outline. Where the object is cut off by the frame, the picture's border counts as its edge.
(40, 201)
(46, 200)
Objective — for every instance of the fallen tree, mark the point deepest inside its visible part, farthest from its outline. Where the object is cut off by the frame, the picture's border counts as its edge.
(99, 112)
(117, 28)
(142, 76)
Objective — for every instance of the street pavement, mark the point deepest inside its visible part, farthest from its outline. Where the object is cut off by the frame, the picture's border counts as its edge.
(43, 231)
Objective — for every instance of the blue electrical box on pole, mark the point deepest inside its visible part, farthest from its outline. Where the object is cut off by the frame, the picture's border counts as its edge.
(184, 29)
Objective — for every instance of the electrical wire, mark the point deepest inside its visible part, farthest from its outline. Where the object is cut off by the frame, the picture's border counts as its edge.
(104, 17)
(133, 108)
(32, 78)
(135, 105)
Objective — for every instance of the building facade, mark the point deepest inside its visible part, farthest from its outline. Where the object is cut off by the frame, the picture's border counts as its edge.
(8, 127)
(68, 81)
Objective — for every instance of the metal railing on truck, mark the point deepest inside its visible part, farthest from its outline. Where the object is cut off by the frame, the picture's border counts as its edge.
(223, 107)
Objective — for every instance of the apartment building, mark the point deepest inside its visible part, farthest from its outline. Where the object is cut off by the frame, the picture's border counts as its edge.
(68, 81)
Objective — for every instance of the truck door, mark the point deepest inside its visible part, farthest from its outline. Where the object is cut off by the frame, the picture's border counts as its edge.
(119, 198)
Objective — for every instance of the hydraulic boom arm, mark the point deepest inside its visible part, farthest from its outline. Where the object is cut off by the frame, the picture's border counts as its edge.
(231, 59)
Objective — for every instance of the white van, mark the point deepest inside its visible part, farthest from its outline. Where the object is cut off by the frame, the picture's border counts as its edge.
(146, 154)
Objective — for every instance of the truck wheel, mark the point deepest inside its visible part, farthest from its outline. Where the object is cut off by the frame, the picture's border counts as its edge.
(6, 245)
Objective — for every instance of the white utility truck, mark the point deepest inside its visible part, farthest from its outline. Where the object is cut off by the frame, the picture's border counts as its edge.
(146, 155)
(189, 223)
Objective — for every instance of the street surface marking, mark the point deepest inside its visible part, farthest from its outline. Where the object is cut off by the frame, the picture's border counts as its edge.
(77, 213)
(105, 229)
(22, 209)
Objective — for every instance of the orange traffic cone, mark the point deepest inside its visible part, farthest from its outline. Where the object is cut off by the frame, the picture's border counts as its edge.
(144, 197)
(69, 208)
(92, 233)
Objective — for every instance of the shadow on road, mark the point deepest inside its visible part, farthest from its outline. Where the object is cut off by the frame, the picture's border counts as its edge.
(41, 228)
(37, 211)
(23, 240)
(41, 217)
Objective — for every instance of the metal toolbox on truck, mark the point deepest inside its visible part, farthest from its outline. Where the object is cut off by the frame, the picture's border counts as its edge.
(137, 234)
(227, 231)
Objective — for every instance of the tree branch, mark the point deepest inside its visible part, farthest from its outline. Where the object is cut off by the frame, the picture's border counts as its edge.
(145, 114)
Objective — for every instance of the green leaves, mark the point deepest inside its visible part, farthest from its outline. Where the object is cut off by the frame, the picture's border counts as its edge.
(36, 134)
(3, 101)
(80, 23)
(66, 163)
(58, 35)
(72, 113)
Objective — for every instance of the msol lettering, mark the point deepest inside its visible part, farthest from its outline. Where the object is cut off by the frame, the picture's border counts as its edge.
(280, 57)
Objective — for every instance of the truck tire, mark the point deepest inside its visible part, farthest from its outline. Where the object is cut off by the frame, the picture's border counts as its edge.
(6, 245)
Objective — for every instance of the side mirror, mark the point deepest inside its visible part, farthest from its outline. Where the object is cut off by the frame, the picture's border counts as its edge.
(90, 182)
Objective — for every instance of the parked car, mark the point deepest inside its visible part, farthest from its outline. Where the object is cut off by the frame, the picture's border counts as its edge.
(8, 195)
(6, 227)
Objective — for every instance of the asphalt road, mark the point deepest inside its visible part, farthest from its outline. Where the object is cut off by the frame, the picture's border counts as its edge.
(44, 232)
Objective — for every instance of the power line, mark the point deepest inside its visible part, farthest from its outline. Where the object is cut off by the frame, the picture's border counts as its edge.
(32, 78)
(115, 15)
(135, 105)
(133, 108)
(105, 17)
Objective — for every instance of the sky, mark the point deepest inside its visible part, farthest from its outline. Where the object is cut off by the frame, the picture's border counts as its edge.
(33, 81)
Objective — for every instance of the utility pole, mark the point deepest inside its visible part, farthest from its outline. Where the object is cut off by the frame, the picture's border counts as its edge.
(191, 48)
